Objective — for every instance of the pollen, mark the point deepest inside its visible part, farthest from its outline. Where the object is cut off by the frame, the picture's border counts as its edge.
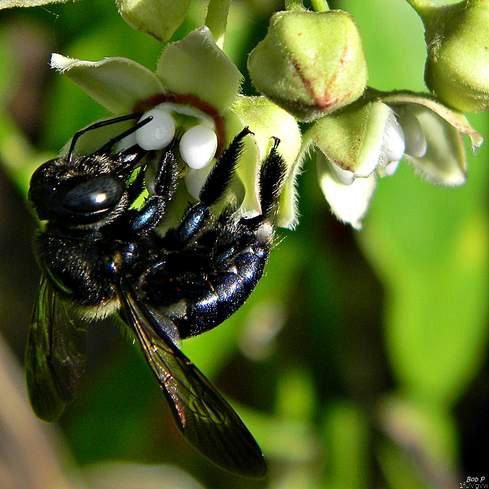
(158, 133)
(198, 146)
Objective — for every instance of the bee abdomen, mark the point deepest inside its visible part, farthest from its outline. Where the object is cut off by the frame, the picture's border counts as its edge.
(223, 292)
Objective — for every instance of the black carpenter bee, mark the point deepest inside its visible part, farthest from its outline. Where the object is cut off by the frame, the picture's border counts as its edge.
(99, 255)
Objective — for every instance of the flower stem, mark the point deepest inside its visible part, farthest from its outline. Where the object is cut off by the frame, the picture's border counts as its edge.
(294, 5)
(422, 7)
(319, 5)
(216, 19)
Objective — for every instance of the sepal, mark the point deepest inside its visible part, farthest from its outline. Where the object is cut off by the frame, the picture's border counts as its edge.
(354, 140)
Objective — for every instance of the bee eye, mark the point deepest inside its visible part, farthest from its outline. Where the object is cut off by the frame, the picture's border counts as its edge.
(95, 195)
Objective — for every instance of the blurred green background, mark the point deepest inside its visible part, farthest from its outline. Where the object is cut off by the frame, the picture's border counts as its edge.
(359, 362)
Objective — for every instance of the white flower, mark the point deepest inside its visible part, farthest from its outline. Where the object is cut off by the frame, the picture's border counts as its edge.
(368, 140)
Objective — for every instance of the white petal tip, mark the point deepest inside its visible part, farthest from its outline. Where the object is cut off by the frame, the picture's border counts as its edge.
(389, 169)
(198, 146)
(394, 143)
(349, 203)
(59, 62)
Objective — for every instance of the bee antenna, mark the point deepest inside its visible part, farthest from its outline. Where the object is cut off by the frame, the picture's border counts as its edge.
(98, 125)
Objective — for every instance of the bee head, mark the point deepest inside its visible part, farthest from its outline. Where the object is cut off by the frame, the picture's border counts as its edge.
(76, 194)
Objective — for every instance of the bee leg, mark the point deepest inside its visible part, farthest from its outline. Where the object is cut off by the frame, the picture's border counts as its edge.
(272, 175)
(153, 211)
(238, 257)
(137, 186)
(218, 180)
(233, 258)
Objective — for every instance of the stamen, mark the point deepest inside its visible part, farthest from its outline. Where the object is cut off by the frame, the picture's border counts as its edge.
(198, 146)
(158, 133)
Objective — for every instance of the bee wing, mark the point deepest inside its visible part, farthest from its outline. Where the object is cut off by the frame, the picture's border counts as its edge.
(203, 416)
(53, 360)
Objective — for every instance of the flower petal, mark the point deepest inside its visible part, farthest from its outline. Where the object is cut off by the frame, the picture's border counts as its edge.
(158, 18)
(348, 202)
(248, 167)
(118, 84)
(456, 119)
(27, 3)
(197, 66)
(444, 161)
(268, 121)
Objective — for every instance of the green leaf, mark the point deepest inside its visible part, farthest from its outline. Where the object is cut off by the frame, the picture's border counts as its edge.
(420, 451)
(345, 434)
(295, 396)
(428, 245)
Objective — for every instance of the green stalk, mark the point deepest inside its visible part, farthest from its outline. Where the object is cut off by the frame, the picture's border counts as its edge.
(423, 8)
(319, 5)
(216, 19)
(294, 5)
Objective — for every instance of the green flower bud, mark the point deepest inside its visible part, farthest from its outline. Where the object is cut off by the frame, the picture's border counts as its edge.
(158, 18)
(457, 68)
(310, 63)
